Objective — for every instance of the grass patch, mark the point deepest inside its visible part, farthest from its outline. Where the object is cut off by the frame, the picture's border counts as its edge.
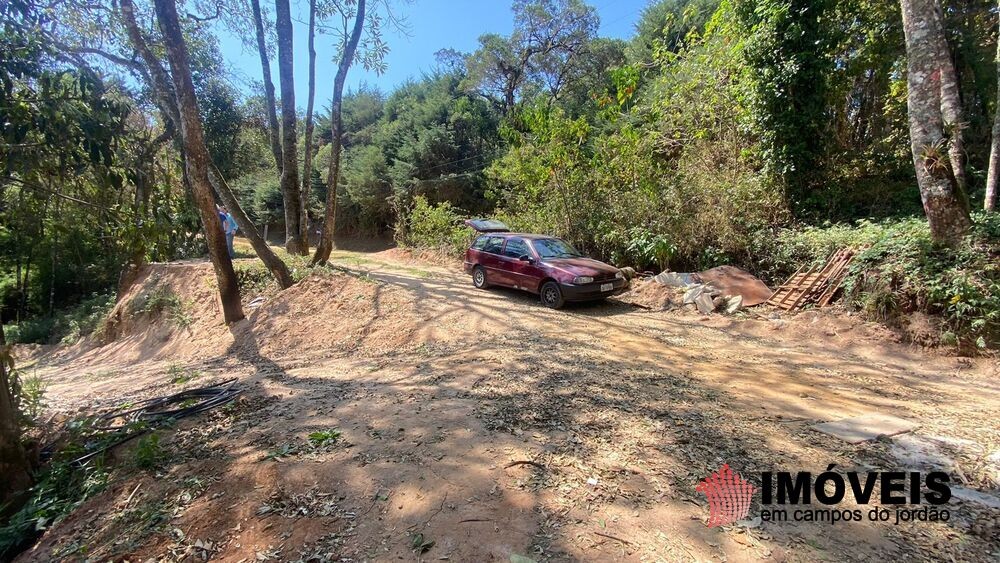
(179, 375)
(162, 301)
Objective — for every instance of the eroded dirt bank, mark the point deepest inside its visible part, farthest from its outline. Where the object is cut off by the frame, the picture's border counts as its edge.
(437, 389)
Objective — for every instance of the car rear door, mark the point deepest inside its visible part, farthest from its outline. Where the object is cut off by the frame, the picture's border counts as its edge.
(524, 274)
(497, 271)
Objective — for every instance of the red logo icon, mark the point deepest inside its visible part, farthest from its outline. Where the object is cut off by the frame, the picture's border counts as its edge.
(729, 496)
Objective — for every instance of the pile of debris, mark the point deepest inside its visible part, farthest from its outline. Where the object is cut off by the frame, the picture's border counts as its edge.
(725, 289)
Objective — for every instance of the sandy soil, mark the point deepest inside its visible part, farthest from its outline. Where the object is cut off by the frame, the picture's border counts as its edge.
(438, 390)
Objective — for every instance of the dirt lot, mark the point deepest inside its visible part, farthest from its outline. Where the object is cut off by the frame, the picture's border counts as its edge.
(442, 394)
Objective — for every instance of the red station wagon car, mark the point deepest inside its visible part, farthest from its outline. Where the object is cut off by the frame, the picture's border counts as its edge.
(542, 264)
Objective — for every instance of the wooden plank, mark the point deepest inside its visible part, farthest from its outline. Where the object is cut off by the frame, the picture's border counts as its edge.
(815, 284)
(837, 278)
(806, 291)
(782, 290)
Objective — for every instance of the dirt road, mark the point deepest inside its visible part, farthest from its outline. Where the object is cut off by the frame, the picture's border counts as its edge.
(477, 426)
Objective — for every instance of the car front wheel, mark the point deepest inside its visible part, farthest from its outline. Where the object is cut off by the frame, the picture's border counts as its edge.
(479, 277)
(551, 295)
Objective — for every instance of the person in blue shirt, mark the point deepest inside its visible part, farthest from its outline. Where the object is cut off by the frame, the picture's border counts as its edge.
(229, 227)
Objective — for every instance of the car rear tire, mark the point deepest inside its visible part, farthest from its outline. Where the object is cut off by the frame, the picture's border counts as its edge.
(551, 295)
(479, 277)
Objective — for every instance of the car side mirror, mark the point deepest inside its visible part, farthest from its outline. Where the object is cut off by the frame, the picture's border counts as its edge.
(526, 258)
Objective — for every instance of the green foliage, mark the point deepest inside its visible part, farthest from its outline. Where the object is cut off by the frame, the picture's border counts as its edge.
(667, 26)
(323, 437)
(669, 177)
(31, 331)
(65, 326)
(900, 270)
(179, 375)
(786, 71)
(30, 399)
(162, 300)
(148, 453)
(253, 278)
(649, 248)
(59, 490)
(437, 227)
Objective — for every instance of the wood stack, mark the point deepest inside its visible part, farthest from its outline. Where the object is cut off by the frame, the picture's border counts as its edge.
(814, 285)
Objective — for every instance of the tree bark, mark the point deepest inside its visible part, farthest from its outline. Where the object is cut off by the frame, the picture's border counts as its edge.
(14, 465)
(265, 63)
(325, 246)
(993, 175)
(951, 111)
(947, 216)
(307, 157)
(167, 102)
(197, 161)
(274, 264)
(289, 151)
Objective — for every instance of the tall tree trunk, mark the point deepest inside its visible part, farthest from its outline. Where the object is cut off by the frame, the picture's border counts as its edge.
(14, 465)
(265, 63)
(276, 265)
(197, 161)
(307, 157)
(289, 152)
(159, 83)
(947, 216)
(325, 246)
(951, 111)
(993, 175)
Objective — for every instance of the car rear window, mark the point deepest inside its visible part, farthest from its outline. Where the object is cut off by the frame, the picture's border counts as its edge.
(493, 245)
(480, 242)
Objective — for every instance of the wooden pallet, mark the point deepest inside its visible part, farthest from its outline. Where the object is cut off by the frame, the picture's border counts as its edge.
(840, 262)
(815, 285)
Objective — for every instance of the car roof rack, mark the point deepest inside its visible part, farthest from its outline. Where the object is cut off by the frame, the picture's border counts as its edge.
(487, 225)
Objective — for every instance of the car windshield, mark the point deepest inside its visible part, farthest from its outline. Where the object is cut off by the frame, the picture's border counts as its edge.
(554, 248)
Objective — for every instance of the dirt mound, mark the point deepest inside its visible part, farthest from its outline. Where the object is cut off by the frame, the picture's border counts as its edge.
(172, 312)
(650, 294)
(329, 314)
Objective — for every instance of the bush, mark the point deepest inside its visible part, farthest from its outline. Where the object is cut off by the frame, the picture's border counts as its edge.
(65, 326)
(31, 331)
(900, 270)
(148, 453)
(437, 227)
(162, 300)
(254, 278)
(58, 491)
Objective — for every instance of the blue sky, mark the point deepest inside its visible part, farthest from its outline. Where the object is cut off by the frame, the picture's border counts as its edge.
(433, 25)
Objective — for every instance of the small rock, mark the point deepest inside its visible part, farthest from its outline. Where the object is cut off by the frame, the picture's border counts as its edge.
(705, 303)
(733, 304)
(691, 295)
